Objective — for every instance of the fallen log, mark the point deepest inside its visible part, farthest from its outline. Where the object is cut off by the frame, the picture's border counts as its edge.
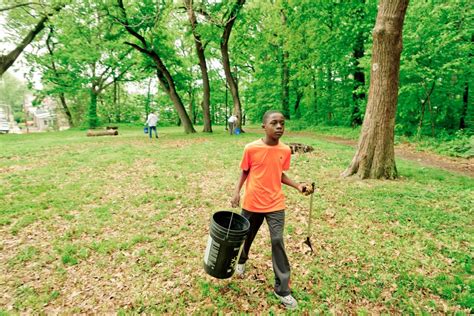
(300, 148)
(109, 132)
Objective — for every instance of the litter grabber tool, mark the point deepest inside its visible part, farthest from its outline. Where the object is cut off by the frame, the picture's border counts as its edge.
(308, 234)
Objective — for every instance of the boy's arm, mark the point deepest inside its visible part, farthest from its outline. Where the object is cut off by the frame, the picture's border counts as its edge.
(236, 197)
(301, 187)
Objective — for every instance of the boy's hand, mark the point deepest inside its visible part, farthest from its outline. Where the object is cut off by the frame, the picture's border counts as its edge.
(235, 202)
(306, 188)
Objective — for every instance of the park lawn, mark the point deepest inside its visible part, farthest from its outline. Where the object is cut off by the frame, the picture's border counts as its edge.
(120, 224)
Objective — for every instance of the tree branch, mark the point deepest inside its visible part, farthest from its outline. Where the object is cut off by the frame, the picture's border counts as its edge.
(127, 25)
(26, 4)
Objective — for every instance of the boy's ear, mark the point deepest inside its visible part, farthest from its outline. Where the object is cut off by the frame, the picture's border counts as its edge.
(263, 125)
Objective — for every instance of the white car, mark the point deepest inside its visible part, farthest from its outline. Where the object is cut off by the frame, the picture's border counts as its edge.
(4, 127)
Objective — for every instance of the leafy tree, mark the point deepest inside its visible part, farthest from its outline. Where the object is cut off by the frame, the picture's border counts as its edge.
(87, 54)
(40, 15)
(141, 24)
(11, 90)
(200, 50)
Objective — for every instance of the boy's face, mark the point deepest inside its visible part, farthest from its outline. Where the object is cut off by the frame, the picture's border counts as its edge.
(274, 125)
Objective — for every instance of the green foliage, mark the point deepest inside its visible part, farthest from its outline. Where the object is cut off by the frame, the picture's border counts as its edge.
(321, 38)
(11, 91)
(461, 144)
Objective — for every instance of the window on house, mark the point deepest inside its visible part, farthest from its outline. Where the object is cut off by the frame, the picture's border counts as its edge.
(46, 123)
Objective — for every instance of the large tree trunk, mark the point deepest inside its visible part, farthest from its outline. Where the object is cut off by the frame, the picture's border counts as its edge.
(231, 81)
(375, 156)
(206, 98)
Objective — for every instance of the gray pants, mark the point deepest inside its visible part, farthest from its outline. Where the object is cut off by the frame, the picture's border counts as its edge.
(276, 224)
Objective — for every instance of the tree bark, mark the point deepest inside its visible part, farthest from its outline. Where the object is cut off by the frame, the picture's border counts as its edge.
(231, 81)
(375, 156)
(206, 98)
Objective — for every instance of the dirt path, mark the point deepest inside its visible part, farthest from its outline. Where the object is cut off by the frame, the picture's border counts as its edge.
(406, 151)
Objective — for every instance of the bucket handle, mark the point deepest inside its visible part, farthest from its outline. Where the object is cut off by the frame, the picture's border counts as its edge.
(230, 223)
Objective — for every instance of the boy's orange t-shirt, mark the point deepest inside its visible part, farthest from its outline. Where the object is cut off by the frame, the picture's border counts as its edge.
(263, 189)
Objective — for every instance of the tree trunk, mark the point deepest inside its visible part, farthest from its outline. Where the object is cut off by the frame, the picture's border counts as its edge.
(465, 102)
(164, 77)
(375, 156)
(423, 107)
(231, 82)
(299, 96)
(62, 98)
(206, 98)
(167, 83)
(92, 113)
(358, 96)
(147, 103)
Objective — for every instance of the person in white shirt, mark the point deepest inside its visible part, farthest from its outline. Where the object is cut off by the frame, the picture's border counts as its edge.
(232, 120)
(152, 120)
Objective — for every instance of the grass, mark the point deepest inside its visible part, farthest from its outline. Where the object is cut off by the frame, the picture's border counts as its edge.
(120, 224)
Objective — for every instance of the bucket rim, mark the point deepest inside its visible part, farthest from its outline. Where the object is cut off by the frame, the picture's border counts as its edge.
(233, 231)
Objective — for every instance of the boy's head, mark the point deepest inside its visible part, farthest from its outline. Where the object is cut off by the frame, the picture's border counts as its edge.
(274, 124)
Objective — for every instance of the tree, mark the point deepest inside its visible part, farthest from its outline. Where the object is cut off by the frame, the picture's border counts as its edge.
(85, 52)
(375, 156)
(148, 49)
(200, 47)
(55, 71)
(7, 60)
(229, 19)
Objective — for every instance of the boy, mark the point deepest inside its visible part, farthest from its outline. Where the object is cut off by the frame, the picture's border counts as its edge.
(262, 165)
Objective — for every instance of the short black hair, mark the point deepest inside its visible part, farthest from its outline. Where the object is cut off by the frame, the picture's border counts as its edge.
(268, 113)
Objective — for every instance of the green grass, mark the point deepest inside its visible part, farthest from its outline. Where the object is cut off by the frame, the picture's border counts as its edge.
(120, 224)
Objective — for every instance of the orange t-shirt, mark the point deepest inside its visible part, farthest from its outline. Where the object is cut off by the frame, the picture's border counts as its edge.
(263, 193)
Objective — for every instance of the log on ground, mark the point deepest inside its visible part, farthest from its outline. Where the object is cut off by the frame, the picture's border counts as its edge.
(109, 132)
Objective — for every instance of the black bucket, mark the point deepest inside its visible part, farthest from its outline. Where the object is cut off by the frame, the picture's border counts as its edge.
(227, 234)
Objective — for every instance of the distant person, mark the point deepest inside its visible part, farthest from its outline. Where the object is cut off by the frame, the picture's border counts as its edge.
(232, 122)
(263, 164)
(151, 121)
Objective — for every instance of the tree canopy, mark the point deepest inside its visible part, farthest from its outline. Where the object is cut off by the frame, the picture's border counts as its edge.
(309, 59)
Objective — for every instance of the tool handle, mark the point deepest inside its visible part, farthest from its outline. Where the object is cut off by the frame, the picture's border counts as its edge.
(310, 208)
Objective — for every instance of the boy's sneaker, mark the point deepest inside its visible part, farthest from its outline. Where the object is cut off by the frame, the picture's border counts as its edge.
(240, 270)
(289, 301)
